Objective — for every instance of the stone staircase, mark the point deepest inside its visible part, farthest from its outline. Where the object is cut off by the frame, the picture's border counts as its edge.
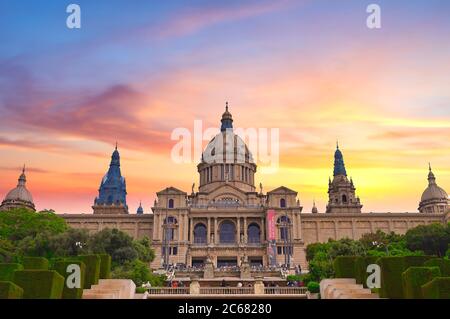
(344, 288)
(111, 289)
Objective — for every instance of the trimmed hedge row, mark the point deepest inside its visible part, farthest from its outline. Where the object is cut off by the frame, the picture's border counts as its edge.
(438, 288)
(344, 266)
(39, 284)
(35, 263)
(105, 266)
(443, 264)
(61, 268)
(9, 290)
(391, 273)
(7, 271)
(413, 279)
(92, 263)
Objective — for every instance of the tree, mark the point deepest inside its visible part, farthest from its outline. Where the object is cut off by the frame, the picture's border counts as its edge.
(16, 224)
(115, 243)
(432, 239)
(143, 249)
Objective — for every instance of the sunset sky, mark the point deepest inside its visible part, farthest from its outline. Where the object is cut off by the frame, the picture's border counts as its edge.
(136, 70)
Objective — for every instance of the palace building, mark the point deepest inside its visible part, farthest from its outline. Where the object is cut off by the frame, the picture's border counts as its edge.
(228, 220)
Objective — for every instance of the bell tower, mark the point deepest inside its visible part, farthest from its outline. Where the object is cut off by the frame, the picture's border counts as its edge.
(341, 191)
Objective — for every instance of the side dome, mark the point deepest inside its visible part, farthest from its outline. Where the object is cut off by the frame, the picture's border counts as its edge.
(19, 196)
(434, 199)
(433, 191)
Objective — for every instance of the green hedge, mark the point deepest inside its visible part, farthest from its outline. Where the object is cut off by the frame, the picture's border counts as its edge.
(7, 271)
(416, 261)
(361, 264)
(344, 266)
(105, 266)
(443, 264)
(39, 284)
(9, 290)
(391, 276)
(40, 263)
(92, 263)
(61, 268)
(438, 288)
(313, 287)
(413, 279)
(391, 273)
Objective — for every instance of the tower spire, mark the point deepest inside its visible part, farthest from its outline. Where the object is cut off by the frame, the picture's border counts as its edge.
(227, 120)
(431, 177)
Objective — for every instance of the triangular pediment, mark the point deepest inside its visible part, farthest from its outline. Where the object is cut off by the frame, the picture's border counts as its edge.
(282, 190)
(171, 190)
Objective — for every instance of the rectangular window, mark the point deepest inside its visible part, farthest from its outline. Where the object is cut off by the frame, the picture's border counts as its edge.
(174, 250)
(279, 251)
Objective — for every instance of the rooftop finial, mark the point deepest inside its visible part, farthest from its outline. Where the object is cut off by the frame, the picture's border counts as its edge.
(226, 106)
(116, 145)
(23, 169)
(337, 144)
(429, 166)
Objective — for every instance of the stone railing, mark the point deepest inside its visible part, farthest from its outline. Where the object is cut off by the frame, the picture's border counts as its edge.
(168, 291)
(227, 290)
(285, 290)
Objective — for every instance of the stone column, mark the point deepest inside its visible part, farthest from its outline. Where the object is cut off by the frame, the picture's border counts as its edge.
(245, 230)
(259, 286)
(238, 230)
(262, 230)
(192, 229)
(216, 231)
(186, 227)
(208, 234)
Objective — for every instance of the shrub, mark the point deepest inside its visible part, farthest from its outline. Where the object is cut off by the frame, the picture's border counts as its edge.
(438, 288)
(105, 266)
(313, 287)
(344, 266)
(61, 268)
(40, 263)
(391, 276)
(9, 290)
(413, 279)
(443, 264)
(294, 278)
(39, 284)
(7, 271)
(92, 263)
(361, 264)
(140, 290)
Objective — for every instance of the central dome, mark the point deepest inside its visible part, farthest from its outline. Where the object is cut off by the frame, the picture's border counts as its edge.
(226, 159)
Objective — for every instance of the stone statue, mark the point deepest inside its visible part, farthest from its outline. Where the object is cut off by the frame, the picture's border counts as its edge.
(193, 186)
(260, 188)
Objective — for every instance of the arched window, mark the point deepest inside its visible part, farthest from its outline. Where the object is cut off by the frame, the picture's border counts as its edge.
(169, 227)
(344, 199)
(283, 223)
(171, 203)
(282, 202)
(200, 234)
(227, 232)
(254, 233)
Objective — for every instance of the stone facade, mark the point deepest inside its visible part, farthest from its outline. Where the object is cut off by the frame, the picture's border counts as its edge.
(227, 220)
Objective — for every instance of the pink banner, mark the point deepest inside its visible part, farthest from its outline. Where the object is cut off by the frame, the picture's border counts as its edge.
(270, 221)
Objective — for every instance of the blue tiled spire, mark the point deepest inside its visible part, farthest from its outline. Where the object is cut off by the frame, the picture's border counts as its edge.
(339, 167)
(227, 120)
(113, 187)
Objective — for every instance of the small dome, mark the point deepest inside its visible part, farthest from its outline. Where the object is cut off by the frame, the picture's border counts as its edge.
(140, 210)
(314, 209)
